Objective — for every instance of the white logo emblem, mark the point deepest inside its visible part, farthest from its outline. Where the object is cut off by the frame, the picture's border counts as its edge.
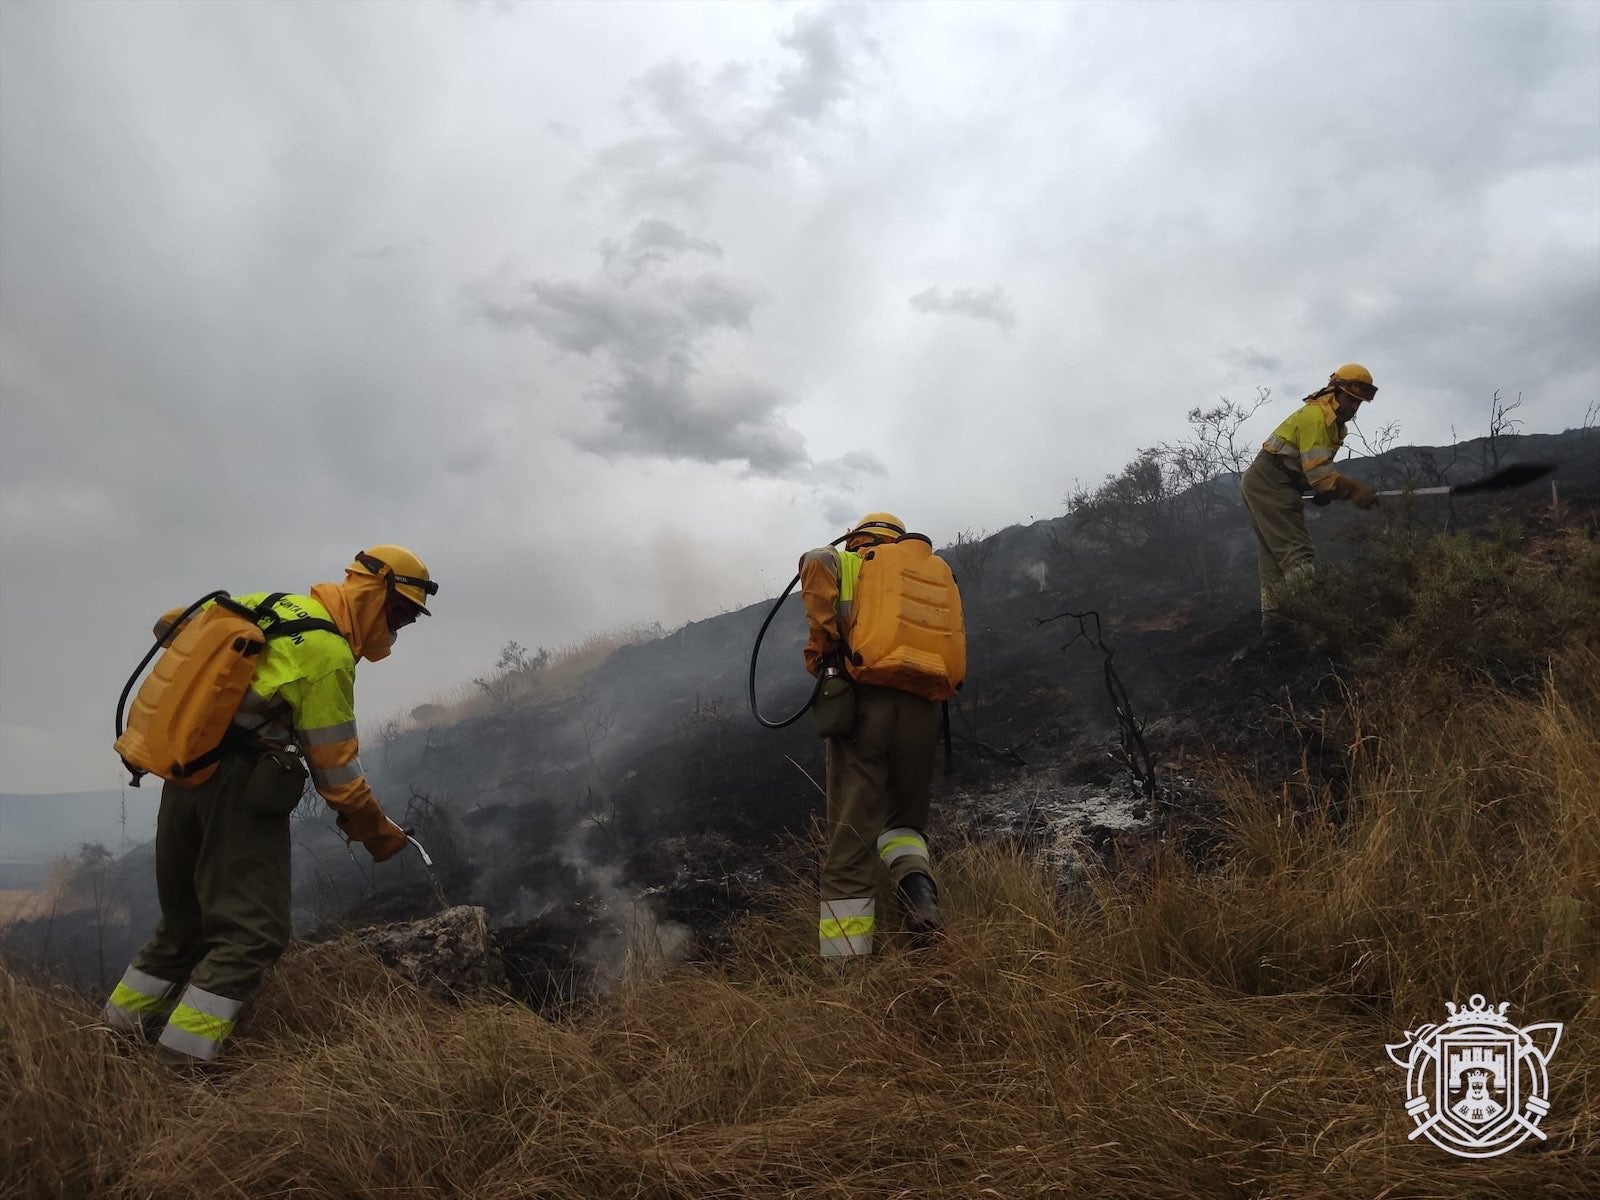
(1477, 1085)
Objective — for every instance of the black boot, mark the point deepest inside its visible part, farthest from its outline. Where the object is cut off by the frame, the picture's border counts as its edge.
(919, 901)
(1277, 630)
(1280, 639)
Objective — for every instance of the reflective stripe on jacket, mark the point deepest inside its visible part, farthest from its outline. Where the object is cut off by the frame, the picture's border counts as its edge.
(828, 587)
(1307, 441)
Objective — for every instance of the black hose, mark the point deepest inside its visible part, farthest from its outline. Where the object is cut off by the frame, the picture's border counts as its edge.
(755, 653)
(122, 700)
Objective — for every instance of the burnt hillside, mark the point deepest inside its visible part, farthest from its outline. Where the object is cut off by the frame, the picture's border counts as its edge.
(645, 790)
(653, 779)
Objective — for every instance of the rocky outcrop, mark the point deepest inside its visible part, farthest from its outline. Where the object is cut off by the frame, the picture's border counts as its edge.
(445, 955)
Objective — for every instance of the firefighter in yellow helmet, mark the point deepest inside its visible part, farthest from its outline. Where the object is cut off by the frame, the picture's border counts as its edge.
(879, 774)
(1299, 456)
(222, 848)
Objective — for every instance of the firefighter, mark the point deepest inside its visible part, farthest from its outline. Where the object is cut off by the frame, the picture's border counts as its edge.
(222, 848)
(1299, 456)
(880, 772)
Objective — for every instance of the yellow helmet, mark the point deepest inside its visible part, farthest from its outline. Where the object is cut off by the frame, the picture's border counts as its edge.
(404, 572)
(883, 526)
(1354, 379)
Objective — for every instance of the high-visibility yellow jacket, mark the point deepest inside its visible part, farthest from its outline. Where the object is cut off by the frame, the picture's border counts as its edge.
(1307, 441)
(304, 693)
(828, 586)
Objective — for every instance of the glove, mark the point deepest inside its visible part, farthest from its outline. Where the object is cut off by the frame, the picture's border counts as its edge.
(382, 843)
(1355, 491)
(387, 842)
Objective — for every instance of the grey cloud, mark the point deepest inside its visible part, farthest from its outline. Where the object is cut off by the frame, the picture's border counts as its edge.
(658, 401)
(990, 304)
(585, 318)
(704, 123)
(835, 482)
(716, 300)
(1434, 216)
(386, 251)
(1459, 339)
(705, 129)
(657, 170)
(1248, 358)
(839, 511)
(634, 324)
(652, 242)
(562, 132)
(847, 469)
(469, 458)
(864, 462)
(672, 414)
(697, 112)
(500, 8)
(824, 74)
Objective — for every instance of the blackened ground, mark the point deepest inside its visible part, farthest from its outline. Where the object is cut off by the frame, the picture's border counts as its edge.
(656, 782)
(651, 785)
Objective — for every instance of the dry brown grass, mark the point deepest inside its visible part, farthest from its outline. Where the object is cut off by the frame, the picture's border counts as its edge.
(62, 893)
(1171, 1034)
(20, 904)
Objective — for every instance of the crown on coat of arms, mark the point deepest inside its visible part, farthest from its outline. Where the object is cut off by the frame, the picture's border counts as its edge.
(1478, 1011)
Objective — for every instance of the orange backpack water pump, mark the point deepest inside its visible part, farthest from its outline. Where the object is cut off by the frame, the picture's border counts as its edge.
(183, 710)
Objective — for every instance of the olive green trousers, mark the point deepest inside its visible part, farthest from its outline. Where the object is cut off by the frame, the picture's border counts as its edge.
(1284, 550)
(223, 880)
(880, 777)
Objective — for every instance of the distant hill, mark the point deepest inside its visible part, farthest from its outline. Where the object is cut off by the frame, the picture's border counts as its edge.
(34, 828)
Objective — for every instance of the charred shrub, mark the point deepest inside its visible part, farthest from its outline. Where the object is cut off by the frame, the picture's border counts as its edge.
(1168, 504)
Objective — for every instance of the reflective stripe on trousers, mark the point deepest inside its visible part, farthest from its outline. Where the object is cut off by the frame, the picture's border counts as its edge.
(139, 999)
(200, 1024)
(895, 844)
(844, 927)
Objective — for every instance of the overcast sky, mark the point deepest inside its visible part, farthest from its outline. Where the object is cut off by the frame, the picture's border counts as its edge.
(609, 310)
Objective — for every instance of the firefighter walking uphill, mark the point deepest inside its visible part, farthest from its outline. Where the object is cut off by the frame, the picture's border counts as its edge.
(885, 622)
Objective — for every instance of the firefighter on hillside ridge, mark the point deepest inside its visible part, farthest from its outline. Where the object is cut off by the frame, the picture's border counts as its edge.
(1299, 456)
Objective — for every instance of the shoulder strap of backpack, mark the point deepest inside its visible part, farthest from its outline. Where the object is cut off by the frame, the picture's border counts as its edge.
(304, 625)
(267, 610)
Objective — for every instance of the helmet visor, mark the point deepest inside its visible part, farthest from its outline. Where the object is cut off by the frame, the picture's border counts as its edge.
(414, 590)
